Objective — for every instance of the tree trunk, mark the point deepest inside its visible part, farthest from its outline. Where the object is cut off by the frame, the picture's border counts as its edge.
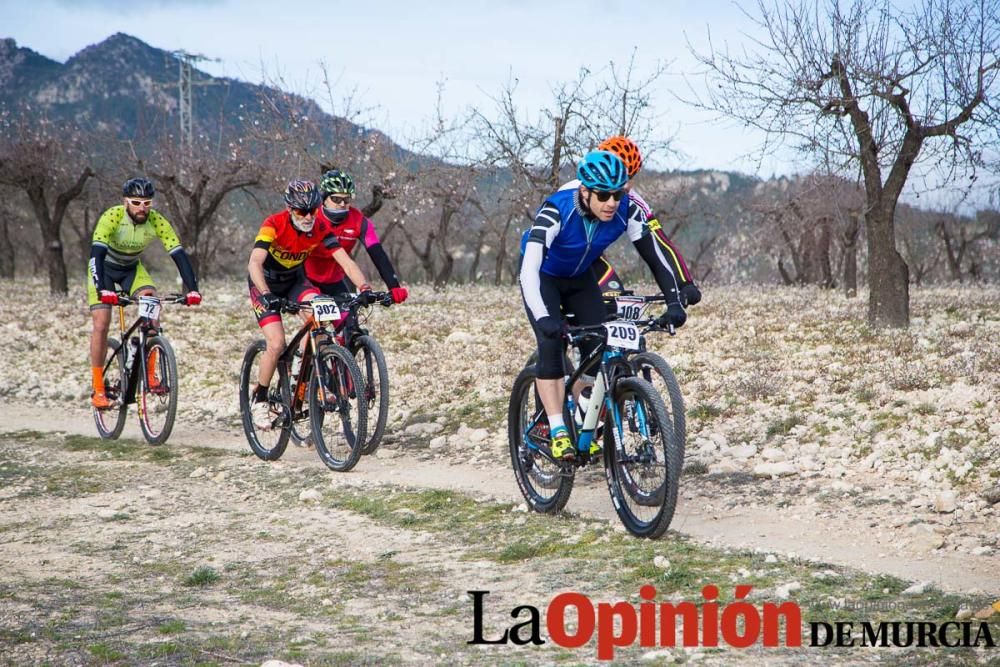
(888, 275)
(474, 269)
(6, 250)
(851, 257)
(54, 260)
(823, 255)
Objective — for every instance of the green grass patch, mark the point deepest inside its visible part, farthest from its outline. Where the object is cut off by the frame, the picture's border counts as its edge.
(202, 576)
(704, 411)
(783, 426)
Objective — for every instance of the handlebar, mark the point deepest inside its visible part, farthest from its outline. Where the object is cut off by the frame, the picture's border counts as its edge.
(125, 300)
(344, 301)
(656, 298)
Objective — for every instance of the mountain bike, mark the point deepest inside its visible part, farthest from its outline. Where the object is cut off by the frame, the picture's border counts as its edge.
(647, 364)
(141, 368)
(371, 360)
(325, 392)
(640, 454)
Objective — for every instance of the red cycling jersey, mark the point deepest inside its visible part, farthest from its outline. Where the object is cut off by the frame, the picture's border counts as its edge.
(288, 248)
(320, 265)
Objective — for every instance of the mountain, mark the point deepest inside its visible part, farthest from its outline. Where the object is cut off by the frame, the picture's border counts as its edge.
(131, 88)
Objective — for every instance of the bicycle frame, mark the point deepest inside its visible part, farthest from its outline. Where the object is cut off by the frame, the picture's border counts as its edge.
(310, 357)
(607, 359)
(144, 325)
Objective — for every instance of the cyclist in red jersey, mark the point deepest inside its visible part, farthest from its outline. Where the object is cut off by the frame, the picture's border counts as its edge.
(276, 272)
(351, 226)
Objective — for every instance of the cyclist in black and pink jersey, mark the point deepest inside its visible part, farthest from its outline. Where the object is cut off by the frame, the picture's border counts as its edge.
(350, 225)
(607, 278)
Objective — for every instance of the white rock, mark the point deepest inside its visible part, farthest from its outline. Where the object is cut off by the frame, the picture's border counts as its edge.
(661, 562)
(740, 451)
(279, 663)
(773, 454)
(106, 515)
(423, 428)
(776, 469)
(460, 337)
(439, 442)
(477, 435)
(841, 486)
(198, 472)
(918, 589)
(785, 590)
(945, 502)
(964, 614)
(982, 551)
(770, 558)
(724, 466)
(310, 496)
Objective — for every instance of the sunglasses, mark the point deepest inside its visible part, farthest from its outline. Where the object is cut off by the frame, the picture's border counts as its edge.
(304, 212)
(141, 203)
(604, 195)
(339, 200)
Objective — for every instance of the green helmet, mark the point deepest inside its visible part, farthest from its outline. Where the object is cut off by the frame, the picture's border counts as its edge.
(336, 182)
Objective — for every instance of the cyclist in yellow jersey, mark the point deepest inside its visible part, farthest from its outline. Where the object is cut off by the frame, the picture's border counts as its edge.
(122, 233)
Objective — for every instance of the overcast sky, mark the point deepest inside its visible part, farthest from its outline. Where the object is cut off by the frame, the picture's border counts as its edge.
(395, 53)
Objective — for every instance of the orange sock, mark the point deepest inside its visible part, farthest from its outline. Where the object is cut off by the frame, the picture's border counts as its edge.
(97, 374)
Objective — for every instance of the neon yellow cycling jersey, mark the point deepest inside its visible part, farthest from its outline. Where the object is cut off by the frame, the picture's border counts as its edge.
(126, 240)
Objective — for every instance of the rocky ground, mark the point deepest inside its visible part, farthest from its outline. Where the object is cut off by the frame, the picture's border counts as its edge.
(814, 445)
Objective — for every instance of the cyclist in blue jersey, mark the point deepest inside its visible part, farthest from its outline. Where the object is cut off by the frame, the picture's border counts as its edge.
(572, 229)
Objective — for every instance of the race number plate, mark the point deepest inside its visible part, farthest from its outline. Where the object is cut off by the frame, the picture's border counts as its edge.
(623, 334)
(325, 310)
(630, 307)
(149, 307)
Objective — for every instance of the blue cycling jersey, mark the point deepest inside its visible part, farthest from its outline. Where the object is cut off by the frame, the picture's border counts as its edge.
(579, 240)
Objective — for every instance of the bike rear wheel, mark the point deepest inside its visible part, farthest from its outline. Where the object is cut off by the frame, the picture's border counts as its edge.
(655, 370)
(337, 409)
(111, 421)
(642, 460)
(158, 390)
(371, 361)
(545, 485)
(267, 426)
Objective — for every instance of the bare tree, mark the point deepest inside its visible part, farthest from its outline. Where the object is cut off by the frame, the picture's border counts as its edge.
(961, 238)
(876, 90)
(194, 185)
(47, 163)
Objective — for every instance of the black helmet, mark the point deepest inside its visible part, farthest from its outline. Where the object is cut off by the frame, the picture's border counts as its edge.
(138, 187)
(336, 182)
(302, 194)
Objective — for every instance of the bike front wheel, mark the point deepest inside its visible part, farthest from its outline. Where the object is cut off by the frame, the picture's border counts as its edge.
(655, 370)
(111, 421)
(158, 391)
(337, 409)
(371, 361)
(642, 460)
(545, 485)
(267, 424)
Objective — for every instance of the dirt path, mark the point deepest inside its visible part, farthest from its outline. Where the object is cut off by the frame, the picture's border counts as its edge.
(866, 538)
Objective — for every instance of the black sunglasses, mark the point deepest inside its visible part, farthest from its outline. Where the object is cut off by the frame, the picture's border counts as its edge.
(336, 199)
(304, 212)
(604, 195)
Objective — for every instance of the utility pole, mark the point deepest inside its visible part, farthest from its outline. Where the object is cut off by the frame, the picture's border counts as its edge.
(185, 84)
